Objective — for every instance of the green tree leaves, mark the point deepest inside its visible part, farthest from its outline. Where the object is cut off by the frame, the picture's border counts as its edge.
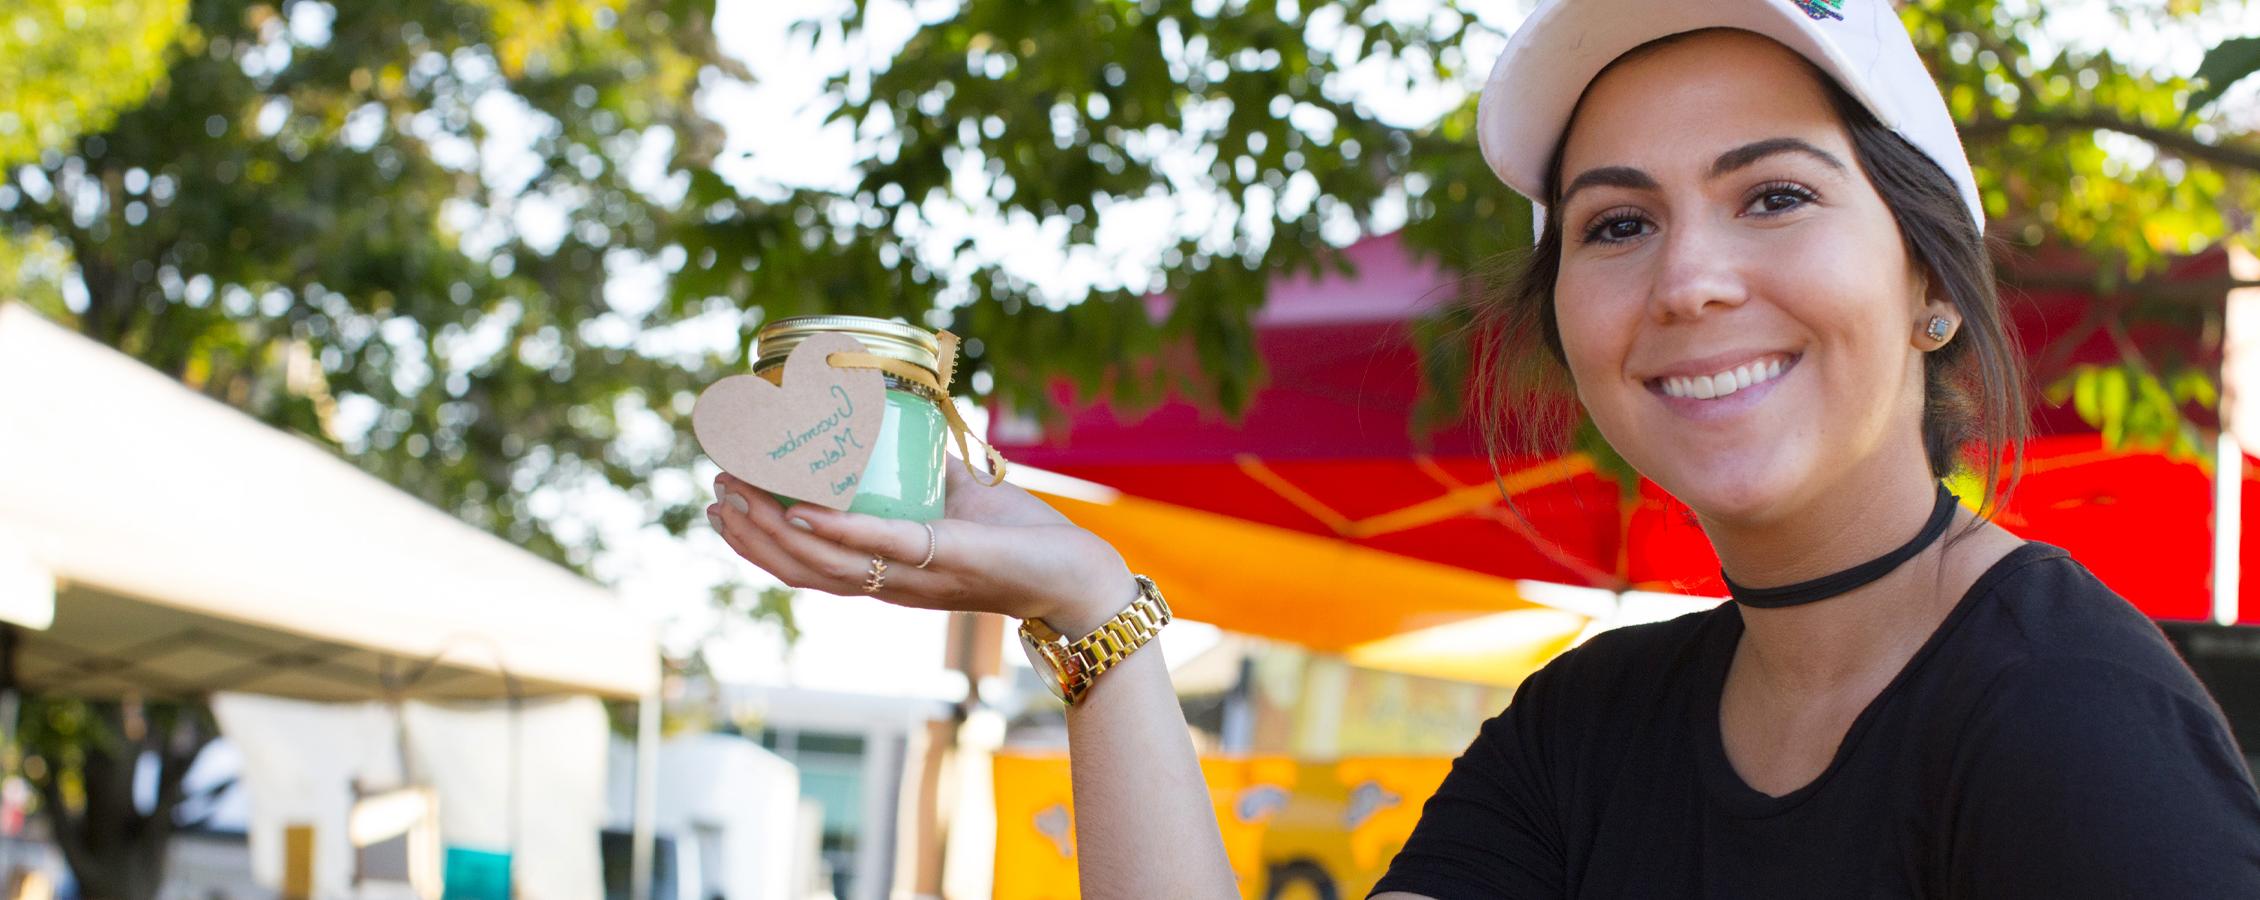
(72, 67)
(1236, 118)
(2078, 147)
(395, 228)
(2226, 64)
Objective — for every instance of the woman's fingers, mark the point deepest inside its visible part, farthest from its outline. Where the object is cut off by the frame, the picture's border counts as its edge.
(942, 584)
(820, 564)
(755, 547)
(761, 530)
(895, 539)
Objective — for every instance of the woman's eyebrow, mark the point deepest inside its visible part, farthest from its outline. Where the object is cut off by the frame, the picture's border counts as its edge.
(1757, 150)
(1606, 176)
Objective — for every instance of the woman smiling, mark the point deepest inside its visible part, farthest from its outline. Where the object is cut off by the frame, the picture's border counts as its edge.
(1760, 269)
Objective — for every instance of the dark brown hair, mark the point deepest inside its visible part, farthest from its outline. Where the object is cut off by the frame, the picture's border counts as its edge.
(1974, 390)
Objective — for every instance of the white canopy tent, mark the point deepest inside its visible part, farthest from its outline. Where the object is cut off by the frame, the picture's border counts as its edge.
(158, 543)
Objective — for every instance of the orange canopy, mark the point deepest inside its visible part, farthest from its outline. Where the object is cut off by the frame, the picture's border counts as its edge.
(1258, 579)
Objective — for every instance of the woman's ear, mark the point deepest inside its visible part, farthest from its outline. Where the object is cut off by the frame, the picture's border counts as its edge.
(1936, 326)
(1936, 318)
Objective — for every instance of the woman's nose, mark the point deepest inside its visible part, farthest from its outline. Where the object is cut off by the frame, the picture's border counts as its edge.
(1699, 272)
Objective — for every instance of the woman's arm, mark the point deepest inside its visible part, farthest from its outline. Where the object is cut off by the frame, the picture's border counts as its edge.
(1144, 823)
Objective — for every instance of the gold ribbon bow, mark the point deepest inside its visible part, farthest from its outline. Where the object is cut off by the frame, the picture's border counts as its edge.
(947, 360)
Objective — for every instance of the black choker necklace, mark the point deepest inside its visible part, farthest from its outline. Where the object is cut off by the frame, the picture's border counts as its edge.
(1844, 582)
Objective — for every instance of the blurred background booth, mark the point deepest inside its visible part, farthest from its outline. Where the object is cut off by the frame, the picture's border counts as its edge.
(354, 641)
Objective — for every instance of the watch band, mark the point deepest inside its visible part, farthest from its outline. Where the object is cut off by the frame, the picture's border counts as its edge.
(1078, 663)
(1127, 631)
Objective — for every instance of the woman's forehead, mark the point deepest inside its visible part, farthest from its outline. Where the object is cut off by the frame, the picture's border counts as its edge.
(1687, 100)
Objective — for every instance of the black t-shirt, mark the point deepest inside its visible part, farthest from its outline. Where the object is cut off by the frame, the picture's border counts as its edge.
(2046, 741)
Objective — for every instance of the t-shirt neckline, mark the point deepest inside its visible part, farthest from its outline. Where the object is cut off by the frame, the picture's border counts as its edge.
(1726, 787)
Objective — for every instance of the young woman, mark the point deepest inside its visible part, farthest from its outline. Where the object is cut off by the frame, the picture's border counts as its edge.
(1760, 269)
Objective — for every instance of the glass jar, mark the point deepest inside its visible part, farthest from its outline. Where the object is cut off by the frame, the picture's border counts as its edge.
(904, 478)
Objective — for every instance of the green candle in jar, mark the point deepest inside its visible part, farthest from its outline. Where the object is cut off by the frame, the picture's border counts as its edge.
(904, 477)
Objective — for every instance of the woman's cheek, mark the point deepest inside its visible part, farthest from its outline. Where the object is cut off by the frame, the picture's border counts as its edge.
(1595, 338)
(1590, 343)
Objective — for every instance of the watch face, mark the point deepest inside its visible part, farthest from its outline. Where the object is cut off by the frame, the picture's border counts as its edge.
(1046, 670)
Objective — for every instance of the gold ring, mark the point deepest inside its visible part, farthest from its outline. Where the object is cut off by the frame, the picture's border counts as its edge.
(932, 543)
(877, 577)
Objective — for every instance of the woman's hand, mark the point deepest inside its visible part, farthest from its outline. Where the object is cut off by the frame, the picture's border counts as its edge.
(1137, 784)
(997, 549)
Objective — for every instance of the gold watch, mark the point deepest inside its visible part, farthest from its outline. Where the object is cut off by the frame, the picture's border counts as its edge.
(1068, 668)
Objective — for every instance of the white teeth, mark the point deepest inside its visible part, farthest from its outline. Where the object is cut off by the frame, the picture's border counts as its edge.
(1709, 387)
(1726, 383)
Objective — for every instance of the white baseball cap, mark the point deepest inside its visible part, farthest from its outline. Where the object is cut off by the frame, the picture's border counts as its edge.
(1536, 84)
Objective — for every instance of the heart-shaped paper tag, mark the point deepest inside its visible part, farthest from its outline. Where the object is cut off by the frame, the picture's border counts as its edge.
(807, 439)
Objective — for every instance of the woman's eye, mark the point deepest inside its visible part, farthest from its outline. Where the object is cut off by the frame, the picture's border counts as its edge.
(1615, 228)
(1775, 198)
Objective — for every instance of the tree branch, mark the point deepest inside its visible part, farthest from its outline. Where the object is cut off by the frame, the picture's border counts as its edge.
(66, 830)
(2180, 143)
(2193, 292)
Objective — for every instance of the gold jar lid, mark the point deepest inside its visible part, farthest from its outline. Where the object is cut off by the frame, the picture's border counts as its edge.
(881, 337)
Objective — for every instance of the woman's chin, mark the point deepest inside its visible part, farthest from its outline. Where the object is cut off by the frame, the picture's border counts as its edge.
(1742, 494)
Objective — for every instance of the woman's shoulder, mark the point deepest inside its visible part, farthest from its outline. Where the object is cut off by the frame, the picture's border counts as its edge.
(2093, 763)
(2047, 626)
(1634, 658)
(2044, 609)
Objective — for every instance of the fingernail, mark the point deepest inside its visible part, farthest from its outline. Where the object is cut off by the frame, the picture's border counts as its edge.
(800, 523)
(737, 503)
(714, 517)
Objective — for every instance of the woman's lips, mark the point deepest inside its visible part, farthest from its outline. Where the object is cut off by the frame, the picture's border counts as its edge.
(1700, 397)
(1726, 380)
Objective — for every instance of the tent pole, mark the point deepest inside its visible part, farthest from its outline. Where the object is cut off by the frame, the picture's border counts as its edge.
(2228, 527)
(647, 797)
(2240, 392)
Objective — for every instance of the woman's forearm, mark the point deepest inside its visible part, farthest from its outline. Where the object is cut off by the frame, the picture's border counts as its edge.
(1144, 826)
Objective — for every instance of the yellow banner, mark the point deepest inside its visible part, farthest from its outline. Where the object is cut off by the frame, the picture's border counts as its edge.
(1291, 829)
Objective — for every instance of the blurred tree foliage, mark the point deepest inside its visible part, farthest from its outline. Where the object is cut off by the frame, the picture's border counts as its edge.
(47, 96)
(47, 99)
(83, 759)
(2131, 168)
(1060, 114)
(391, 228)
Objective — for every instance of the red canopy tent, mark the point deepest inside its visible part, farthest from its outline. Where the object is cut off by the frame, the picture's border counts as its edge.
(1326, 452)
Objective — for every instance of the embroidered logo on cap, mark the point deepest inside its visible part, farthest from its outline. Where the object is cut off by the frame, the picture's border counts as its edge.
(1821, 9)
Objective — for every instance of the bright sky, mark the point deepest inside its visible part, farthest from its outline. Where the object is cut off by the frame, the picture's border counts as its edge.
(776, 137)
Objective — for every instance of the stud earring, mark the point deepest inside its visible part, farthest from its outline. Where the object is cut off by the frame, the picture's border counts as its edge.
(1939, 330)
